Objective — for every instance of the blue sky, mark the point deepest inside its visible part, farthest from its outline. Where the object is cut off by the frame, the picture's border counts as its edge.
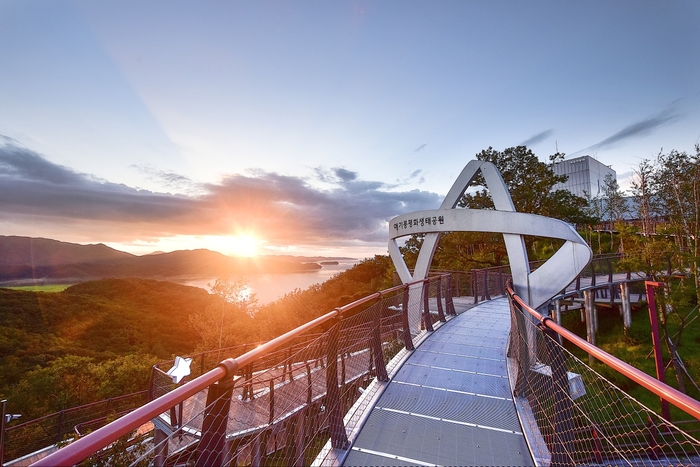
(164, 125)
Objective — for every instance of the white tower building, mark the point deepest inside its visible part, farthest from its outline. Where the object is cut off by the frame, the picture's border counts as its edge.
(585, 174)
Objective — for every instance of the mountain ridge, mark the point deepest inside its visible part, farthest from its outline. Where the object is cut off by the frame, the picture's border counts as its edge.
(24, 259)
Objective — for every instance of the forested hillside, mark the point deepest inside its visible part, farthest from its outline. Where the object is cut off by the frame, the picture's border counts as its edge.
(98, 339)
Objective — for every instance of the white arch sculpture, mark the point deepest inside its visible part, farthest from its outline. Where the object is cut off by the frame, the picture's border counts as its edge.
(536, 287)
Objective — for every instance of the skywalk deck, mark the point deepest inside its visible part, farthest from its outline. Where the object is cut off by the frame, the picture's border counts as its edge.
(450, 403)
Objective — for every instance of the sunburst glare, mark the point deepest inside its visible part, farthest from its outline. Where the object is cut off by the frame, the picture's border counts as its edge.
(243, 245)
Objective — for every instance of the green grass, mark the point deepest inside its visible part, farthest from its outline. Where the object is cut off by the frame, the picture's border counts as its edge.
(635, 348)
(41, 288)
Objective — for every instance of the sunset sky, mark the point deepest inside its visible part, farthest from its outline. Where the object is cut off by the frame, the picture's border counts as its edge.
(305, 126)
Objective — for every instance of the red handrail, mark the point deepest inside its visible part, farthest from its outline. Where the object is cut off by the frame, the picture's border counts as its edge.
(674, 396)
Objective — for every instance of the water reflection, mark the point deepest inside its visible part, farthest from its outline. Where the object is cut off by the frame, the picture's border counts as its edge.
(269, 287)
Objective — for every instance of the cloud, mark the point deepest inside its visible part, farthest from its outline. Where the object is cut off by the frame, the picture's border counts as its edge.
(414, 177)
(284, 210)
(22, 164)
(170, 179)
(345, 175)
(635, 130)
(538, 138)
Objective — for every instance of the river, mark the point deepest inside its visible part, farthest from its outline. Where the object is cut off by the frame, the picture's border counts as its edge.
(269, 287)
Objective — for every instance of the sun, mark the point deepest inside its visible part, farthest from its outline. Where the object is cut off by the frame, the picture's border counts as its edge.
(243, 245)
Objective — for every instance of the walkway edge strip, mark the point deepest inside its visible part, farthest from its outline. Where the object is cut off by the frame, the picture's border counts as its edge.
(447, 420)
(454, 391)
(395, 457)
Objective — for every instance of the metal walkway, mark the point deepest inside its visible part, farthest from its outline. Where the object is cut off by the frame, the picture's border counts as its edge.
(450, 403)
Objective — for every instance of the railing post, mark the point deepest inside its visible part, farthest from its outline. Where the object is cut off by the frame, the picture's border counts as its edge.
(300, 437)
(563, 409)
(309, 386)
(288, 366)
(519, 347)
(272, 400)
(441, 312)
(597, 446)
(487, 294)
(449, 294)
(212, 447)
(160, 449)
(3, 422)
(427, 320)
(339, 438)
(151, 383)
(407, 339)
(376, 347)
(59, 427)
(259, 449)
(475, 286)
(342, 369)
(248, 384)
(652, 437)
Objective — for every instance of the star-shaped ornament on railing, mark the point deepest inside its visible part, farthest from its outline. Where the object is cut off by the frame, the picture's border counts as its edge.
(180, 369)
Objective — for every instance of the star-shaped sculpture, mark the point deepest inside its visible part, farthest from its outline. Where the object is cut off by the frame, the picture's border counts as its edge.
(536, 287)
(180, 369)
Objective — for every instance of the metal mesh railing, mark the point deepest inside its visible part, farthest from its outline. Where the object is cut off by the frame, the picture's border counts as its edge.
(574, 416)
(161, 383)
(280, 403)
(284, 413)
(33, 435)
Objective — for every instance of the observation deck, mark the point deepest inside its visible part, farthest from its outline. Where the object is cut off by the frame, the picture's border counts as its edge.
(401, 378)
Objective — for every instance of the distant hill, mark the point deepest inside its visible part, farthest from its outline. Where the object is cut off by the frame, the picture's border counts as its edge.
(37, 252)
(25, 259)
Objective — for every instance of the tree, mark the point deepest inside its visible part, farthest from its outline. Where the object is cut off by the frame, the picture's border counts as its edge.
(615, 206)
(227, 321)
(677, 187)
(645, 250)
(71, 381)
(470, 250)
(642, 194)
(531, 185)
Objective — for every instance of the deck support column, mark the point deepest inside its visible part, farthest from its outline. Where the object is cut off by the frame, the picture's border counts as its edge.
(339, 437)
(626, 306)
